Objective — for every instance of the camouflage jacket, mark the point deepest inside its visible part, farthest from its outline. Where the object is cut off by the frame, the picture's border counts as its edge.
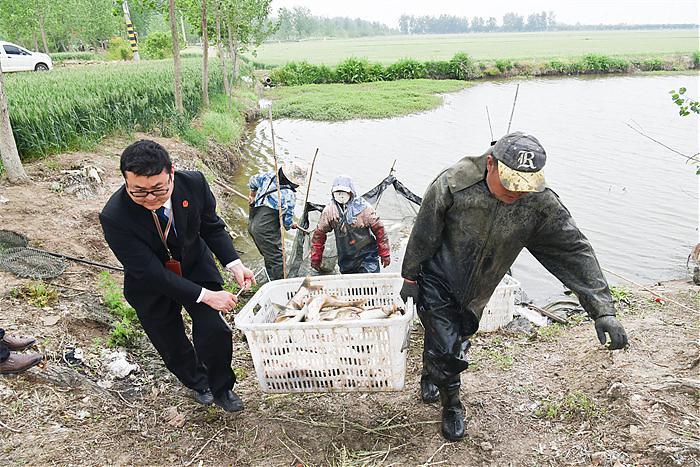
(465, 240)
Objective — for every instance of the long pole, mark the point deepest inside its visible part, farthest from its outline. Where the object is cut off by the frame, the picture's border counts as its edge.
(513, 110)
(488, 116)
(78, 260)
(647, 289)
(279, 194)
(308, 182)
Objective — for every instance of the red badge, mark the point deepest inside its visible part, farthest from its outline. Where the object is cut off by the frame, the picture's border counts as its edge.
(185, 203)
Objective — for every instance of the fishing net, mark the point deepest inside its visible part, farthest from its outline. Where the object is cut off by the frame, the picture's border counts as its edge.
(396, 206)
(10, 239)
(17, 258)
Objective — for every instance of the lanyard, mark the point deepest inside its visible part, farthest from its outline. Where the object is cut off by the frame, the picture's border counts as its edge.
(164, 235)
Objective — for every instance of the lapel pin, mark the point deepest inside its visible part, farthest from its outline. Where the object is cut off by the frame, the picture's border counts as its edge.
(185, 203)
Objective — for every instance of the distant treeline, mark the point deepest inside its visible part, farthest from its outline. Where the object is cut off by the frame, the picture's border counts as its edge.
(511, 22)
(299, 23)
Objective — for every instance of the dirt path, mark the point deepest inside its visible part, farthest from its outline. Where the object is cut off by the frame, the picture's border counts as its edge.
(556, 399)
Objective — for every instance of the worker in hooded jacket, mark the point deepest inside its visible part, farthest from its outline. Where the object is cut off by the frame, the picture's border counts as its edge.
(475, 218)
(359, 234)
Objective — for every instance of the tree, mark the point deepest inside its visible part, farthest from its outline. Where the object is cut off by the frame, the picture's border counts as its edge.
(247, 25)
(512, 22)
(8, 145)
(177, 77)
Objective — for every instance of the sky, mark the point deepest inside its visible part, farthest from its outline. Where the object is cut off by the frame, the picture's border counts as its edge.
(566, 11)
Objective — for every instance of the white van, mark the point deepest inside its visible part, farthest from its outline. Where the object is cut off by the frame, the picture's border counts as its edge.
(16, 58)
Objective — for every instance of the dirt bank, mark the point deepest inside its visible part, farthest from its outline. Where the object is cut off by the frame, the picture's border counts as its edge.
(556, 399)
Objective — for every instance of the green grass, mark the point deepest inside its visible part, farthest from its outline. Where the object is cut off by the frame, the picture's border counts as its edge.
(388, 49)
(126, 329)
(71, 108)
(220, 123)
(382, 99)
(575, 405)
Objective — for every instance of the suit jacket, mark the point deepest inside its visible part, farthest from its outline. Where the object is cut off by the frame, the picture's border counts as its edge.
(132, 235)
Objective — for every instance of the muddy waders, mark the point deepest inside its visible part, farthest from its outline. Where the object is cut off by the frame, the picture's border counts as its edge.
(264, 227)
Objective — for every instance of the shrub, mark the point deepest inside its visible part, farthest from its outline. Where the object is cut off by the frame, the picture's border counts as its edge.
(438, 70)
(157, 45)
(652, 64)
(355, 70)
(299, 73)
(463, 67)
(504, 65)
(593, 63)
(406, 68)
(696, 58)
(119, 49)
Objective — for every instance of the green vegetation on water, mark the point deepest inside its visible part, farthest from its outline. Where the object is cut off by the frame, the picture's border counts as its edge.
(379, 99)
(485, 46)
(70, 108)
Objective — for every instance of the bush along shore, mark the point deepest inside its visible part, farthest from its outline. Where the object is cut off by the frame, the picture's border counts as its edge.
(463, 67)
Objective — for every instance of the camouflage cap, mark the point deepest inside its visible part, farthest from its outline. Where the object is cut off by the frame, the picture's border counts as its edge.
(522, 159)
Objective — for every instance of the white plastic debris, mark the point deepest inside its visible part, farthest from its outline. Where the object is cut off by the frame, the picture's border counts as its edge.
(116, 363)
(531, 315)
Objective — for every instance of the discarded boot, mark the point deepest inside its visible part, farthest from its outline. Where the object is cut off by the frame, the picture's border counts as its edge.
(429, 392)
(204, 397)
(16, 342)
(229, 401)
(452, 413)
(19, 362)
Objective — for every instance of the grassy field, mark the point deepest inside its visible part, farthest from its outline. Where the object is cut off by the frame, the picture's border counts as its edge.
(380, 99)
(484, 46)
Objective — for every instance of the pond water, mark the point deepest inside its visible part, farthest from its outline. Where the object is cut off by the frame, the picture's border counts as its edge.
(635, 200)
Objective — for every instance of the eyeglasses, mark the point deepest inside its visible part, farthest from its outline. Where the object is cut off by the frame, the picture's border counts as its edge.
(156, 193)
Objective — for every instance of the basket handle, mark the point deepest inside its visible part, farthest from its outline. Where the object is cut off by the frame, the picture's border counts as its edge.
(407, 339)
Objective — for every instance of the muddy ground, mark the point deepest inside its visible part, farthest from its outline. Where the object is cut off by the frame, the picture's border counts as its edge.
(556, 398)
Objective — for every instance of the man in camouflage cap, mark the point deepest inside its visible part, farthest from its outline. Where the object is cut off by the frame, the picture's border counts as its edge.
(475, 218)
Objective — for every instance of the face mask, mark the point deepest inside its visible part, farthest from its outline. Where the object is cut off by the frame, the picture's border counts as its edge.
(341, 197)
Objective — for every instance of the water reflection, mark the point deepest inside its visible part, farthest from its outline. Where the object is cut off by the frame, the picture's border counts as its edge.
(635, 200)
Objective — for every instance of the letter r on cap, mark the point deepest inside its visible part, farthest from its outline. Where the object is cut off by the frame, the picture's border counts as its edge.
(526, 159)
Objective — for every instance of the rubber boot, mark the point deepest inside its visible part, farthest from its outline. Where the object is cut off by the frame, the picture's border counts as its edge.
(429, 392)
(452, 412)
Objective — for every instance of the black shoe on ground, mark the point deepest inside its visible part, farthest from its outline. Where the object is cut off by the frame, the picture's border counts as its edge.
(229, 401)
(453, 423)
(203, 397)
(452, 413)
(429, 392)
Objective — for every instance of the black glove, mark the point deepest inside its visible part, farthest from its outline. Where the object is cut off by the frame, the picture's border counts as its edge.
(409, 289)
(610, 324)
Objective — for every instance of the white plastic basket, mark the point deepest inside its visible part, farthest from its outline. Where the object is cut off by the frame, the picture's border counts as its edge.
(344, 356)
(501, 306)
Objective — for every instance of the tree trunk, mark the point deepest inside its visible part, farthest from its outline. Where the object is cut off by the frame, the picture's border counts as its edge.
(205, 56)
(43, 33)
(8, 147)
(222, 57)
(36, 42)
(176, 59)
(233, 53)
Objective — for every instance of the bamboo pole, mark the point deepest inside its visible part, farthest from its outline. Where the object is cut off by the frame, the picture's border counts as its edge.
(279, 195)
(513, 109)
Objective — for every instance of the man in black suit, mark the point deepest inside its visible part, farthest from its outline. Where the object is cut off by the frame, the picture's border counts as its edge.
(163, 227)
